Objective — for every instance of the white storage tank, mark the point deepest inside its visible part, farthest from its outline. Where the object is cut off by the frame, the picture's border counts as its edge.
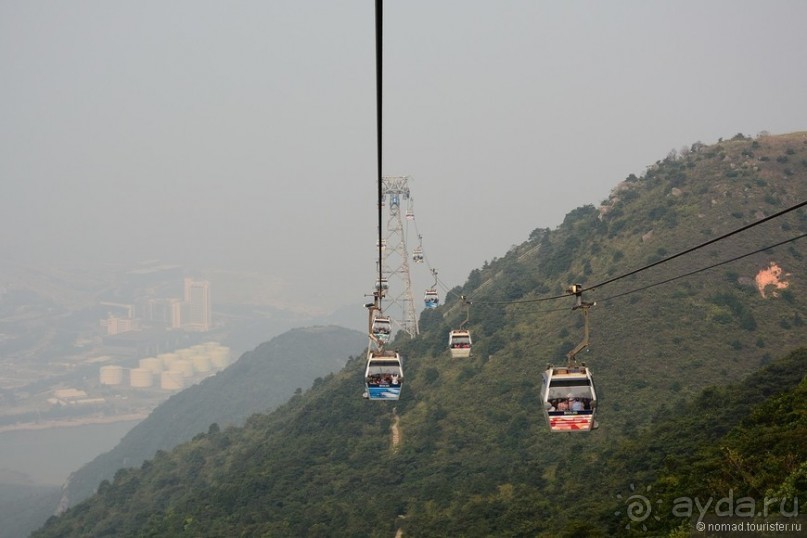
(220, 357)
(168, 359)
(140, 378)
(184, 366)
(172, 380)
(201, 363)
(185, 353)
(153, 364)
(111, 375)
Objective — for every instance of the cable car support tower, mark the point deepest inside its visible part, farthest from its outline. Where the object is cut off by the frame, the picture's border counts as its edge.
(395, 259)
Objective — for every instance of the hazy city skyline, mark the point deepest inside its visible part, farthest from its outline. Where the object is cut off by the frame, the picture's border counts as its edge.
(240, 136)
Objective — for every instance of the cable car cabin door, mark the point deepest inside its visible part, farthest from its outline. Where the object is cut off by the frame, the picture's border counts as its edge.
(569, 399)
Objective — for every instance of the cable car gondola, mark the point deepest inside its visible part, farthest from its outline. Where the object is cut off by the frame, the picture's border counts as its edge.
(568, 395)
(417, 255)
(459, 340)
(432, 299)
(459, 343)
(382, 329)
(569, 399)
(383, 378)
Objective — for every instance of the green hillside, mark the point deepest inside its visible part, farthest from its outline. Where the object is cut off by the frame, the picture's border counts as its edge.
(259, 381)
(466, 451)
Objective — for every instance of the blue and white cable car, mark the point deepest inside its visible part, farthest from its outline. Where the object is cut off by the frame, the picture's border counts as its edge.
(432, 299)
(382, 329)
(383, 378)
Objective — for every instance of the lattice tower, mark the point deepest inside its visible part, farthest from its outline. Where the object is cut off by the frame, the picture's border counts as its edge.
(399, 303)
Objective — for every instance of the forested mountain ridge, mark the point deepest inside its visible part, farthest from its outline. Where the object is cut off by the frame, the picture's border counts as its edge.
(258, 381)
(474, 457)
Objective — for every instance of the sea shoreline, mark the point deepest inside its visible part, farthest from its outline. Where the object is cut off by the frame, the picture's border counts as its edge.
(69, 423)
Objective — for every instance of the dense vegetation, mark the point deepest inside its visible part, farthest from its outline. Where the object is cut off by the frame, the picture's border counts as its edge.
(259, 381)
(698, 388)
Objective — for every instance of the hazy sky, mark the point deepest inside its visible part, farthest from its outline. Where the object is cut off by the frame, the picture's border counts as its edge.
(241, 134)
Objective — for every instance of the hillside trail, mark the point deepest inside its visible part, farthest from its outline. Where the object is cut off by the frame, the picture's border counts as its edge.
(396, 429)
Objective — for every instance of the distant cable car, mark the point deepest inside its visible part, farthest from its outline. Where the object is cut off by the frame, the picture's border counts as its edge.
(410, 215)
(417, 255)
(394, 201)
(383, 378)
(432, 299)
(459, 343)
(459, 340)
(567, 393)
(569, 398)
(382, 329)
(382, 284)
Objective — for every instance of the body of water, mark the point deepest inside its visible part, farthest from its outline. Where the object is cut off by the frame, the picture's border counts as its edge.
(48, 456)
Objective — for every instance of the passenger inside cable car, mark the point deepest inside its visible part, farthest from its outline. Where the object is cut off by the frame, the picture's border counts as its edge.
(460, 341)
(432, 300)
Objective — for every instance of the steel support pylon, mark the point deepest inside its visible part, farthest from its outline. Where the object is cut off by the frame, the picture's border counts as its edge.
(400, 304)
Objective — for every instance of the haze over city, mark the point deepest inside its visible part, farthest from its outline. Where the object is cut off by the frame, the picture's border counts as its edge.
(188, 209)
(241, 136)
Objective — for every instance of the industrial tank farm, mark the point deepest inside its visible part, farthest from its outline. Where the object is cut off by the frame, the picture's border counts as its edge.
(169, 371)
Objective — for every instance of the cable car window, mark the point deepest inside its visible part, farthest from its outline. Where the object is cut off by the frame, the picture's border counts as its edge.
(569, 382)
(384, 363)
(570, 392)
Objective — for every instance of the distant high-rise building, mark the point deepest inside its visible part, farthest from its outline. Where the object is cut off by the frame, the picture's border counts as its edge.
(197, 314)
(163, 312)
(115, 325)
(176, 314)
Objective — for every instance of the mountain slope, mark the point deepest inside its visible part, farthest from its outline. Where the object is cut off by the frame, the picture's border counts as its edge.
(259, 381)
(475, 457)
